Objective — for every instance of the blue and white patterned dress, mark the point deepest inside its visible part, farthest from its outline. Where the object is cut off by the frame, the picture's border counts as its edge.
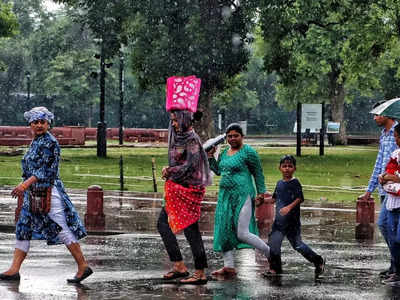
(41, 160)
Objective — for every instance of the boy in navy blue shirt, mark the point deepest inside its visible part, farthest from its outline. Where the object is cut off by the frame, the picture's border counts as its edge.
(288, 195)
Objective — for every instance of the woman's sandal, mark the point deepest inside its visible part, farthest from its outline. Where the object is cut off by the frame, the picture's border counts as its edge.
(224, 272)
(196, 280)
(175, 274)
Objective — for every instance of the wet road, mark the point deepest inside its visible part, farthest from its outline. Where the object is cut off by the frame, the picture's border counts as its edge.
(129, 265)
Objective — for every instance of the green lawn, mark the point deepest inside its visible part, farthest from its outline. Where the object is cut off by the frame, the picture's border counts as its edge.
(339, 176)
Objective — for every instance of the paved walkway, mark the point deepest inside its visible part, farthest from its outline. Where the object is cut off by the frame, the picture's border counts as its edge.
(129, 265)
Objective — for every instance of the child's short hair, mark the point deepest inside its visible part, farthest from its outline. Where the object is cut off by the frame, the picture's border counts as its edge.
(289, 158)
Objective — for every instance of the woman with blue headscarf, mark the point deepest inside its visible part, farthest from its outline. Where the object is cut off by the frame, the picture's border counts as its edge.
(47, 213)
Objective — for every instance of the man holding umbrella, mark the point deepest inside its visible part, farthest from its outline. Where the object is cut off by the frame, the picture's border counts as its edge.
(384, 115)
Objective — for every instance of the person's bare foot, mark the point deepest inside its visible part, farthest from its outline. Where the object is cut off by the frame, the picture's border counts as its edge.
(225, 271)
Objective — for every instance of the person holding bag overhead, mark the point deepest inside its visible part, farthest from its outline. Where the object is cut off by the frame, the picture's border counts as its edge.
(186, 175)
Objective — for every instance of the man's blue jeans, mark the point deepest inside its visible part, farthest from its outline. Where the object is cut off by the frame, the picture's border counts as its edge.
(394, 236)
(384, 228)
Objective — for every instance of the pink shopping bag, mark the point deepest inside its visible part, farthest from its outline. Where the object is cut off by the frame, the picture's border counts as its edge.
(183, 93)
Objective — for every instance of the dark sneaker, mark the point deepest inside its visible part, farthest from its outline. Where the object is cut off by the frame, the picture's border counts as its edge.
(393, 279)
(385, 274)
(270, 273)
(320, 268)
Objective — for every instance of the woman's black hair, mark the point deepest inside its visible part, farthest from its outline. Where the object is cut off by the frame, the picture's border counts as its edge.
(288, 158)
(236, 127)
(197, 116)
(397, 129)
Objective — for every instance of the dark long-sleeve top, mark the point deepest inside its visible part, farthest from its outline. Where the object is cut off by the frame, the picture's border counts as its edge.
(187, 164)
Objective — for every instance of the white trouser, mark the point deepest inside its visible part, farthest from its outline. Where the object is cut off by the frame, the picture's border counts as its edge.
(57, 215)
(245, 236)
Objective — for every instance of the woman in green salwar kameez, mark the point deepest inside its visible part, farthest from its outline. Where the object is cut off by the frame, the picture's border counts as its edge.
(242, 182)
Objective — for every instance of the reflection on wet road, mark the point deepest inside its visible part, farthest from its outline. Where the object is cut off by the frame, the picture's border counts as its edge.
(130, 265)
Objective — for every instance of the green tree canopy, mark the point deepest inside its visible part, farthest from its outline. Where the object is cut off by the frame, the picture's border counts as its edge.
(106, 19)
(8, 25)
(8, 20)
(208, 39)
(306, 42)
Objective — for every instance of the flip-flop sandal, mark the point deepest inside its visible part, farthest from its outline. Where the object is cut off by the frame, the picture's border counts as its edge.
(197, 281)
(175, 274)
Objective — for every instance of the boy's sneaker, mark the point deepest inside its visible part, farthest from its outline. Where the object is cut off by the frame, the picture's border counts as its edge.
(393, 279)
(320, 268)
(385, 274)
(270, 273)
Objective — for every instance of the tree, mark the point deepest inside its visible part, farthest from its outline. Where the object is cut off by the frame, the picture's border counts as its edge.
(8, 25)
(29, 13)
(206, 38)
(8, 20)
(377, 37)
(306, 45)
(252, 97)
(106, 20)
(69, 83)
(237, 100)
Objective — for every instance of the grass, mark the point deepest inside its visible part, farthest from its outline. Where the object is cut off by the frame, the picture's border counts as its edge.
(339, 176)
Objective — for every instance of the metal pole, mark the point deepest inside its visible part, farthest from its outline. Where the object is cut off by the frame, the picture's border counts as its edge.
(298, 134)
(101, 126)
(121, 98)
(322, 132)
(121, 173)
(153, 169)
(28, 83)
(219, 122)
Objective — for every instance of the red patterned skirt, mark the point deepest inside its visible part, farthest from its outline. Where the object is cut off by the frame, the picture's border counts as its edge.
(182, 204)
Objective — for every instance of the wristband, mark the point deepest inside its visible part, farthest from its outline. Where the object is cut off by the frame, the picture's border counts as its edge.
(24, 186)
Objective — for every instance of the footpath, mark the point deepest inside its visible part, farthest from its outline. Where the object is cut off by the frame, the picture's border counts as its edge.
(128, 258)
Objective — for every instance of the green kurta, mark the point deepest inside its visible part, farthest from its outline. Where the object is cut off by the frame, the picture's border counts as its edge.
(235, 187)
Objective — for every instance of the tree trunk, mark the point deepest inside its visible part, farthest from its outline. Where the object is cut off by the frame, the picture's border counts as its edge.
(337, 111)
(205, 128)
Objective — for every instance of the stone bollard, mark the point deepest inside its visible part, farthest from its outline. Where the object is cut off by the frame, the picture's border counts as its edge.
(365, 211)
(94, 217)
(365, 233)
(365, 217)
(264, 214)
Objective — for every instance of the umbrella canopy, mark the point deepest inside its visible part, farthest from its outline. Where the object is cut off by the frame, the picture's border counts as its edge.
(390, 108)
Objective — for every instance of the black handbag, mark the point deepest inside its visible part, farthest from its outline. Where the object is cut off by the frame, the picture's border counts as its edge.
(40, 199)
